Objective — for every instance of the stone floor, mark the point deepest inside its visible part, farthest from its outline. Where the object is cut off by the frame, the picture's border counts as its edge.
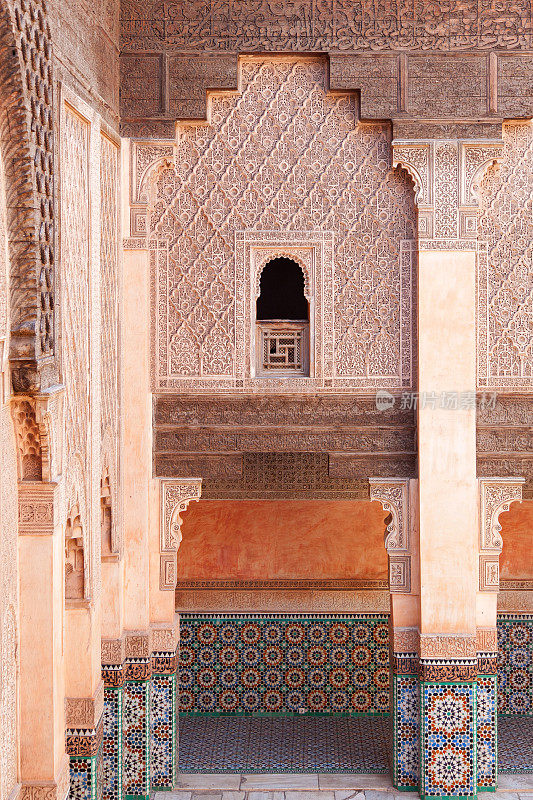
(309, 744)
(317, 787)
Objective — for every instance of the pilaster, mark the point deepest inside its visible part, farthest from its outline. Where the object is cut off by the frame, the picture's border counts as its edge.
(136, 715)
(447, 174)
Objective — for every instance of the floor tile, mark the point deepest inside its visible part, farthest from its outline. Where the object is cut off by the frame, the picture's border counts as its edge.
(515, 783)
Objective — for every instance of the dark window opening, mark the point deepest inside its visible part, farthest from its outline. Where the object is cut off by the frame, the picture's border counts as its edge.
(282, 291)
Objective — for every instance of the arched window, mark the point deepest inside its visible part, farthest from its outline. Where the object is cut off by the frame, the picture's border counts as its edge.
(282, 320)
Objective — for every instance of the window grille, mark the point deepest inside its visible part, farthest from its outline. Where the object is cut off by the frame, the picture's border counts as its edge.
(282, 348)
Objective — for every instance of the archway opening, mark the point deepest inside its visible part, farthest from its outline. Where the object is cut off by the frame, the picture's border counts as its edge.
(282, 320)
(282, 294)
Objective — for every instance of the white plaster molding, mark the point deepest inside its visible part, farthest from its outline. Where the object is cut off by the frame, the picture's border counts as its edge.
(175, 497)
(495, 497)
(393, 494)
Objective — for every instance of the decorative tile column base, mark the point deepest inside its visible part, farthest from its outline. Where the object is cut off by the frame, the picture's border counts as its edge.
(136, 729)
(405, 707)
(487, 723)
(113, 674)
(163, 728)
(448, 710)
(84, 747)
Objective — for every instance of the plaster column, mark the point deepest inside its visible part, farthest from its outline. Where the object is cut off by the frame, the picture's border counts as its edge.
(136, 477)
(399, 497)
(446, 174)
(44, 765)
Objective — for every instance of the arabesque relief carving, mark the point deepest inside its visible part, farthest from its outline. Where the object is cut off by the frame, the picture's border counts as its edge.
(495, 496)
(237, 187)
(505, 265)
(175, 498)
(393, 494)
(447, 176)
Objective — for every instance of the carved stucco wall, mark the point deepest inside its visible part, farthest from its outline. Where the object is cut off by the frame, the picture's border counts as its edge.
(89, 321)
(282, 166)
(505, 269)
(109, 298)
(75, 315)
(8, 538)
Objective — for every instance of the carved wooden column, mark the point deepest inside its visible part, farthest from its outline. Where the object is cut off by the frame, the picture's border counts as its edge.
(495, 496)
(399, 497)
(173, 498)
(44, 766)
(447, 173)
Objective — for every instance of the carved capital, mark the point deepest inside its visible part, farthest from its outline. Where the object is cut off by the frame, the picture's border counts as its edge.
(113, 651)
(447, 174)
(138, 644)
(85, 712)
(36, 508)
(447, 646)
(175, 498)
(165, 637)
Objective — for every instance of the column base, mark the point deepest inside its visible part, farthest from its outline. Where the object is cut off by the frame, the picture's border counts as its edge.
(448, 755)
(406, 726)
(163, 728)
(136, 730)
(85, 750)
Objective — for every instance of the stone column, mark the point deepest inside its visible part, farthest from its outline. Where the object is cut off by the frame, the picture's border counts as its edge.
(399, 497)
(446, 174)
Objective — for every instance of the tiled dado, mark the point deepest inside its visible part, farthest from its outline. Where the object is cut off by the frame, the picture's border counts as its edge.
(515, 664)
(85, 750)
(448, 739)
(136, 731)
(250, 663)
(163, 721)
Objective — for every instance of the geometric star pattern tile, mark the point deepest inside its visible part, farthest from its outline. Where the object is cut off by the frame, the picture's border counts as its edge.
(136, 738)
(486, 732)
(448, 739)
(406, 719)
(162, 731)
(515, 664)
(112, 745)
(250, 663)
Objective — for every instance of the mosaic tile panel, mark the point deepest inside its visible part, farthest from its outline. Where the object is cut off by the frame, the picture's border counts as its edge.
(487, 732)
(86, 777)
(112, 745)
(515, 664)
(249, 663)
(406, 731)
(163, 731)
(350, 744)
(136, 739)
(448, 742)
